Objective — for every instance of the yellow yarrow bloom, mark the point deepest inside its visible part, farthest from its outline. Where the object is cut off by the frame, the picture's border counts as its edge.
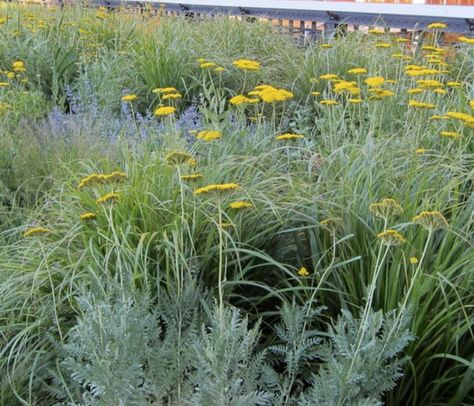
(109, 197)
(164, 111)
(419, 151)
(171, 96)
(208, 135)
(240, 204)
(466, 40)
(391, 238)
(36, 231)
(4, 84)
(193, 177)
(357, 71)
(221, 187)
(165, 90)
(437, 26)
(178, 158)
(329, 102)
(241, 99)
(413, 260)
(88, 215)
(422, 105)
(288, 136)
(246, 64)
(431, 220)
(375, 81)
(129, 98)
(328, 76)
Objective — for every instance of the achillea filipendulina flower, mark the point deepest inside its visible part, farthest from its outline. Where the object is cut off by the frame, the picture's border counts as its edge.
(421, 105)
(98, 178)
(450, 134)
(402, 40)
(326, 46)
(357, 71)
(178, 158)
(88, 215)
(329, 102)
(241, 99)
(270, 94)
(288, 136)
(240, 204)
(416, 90)
(18, 66)
(208, 135)
(315, 93)
(246, 64)
(31, 232)
(440, 91)
(437, 26)
(431, 220)
(426, 83)
(375, 81)
(192, 178)
(355, 101)
(386, 208)
(219, 69)
(328, 76)
(380, 94)
(432, 48)
(303, 272)
(165, 90)
(129, 98)
(383, 45)
(420, 151)
(391, 238)
(331, 224)
(413, 260)
(438, 117)
(471, 104)
(454, 84)
(460, 116)
(466, 40)
(376, 31)
(422, 72)
(164, 111)
(171, 96)
(350, 87)
(109, 197)
(227, 224)
(220, 187)
(207, 65)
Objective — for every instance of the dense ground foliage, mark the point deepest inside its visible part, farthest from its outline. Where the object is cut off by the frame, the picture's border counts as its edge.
(205, 212)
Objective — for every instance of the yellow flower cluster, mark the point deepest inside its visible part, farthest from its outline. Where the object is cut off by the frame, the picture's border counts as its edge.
(386, 208)
(109, 197)
(450, 134)
(220, 187)
(437, 26)
(421, 105)
(160, 90)
(288, 136)
(357, 71)
(179, 158)
(97, 178)
(431, 220)
(331, 224)
(241, 99)
(88, 216)
(270, 94)
(375, 81)
(193, 177)
(164, 111)
(209, 135)
(246, 64)
(240, 204)
(303, 272)
(129, 98)
(36, 231)
(391, 238)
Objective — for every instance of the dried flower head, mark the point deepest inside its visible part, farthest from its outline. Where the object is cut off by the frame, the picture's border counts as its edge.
(431, 220)
(386, 208)
(331, 224)
(391, 238)
(178, 158)
(109, 197)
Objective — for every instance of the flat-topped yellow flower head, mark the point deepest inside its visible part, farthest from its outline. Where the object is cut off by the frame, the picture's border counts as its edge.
(391, 238)
(431, 220)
